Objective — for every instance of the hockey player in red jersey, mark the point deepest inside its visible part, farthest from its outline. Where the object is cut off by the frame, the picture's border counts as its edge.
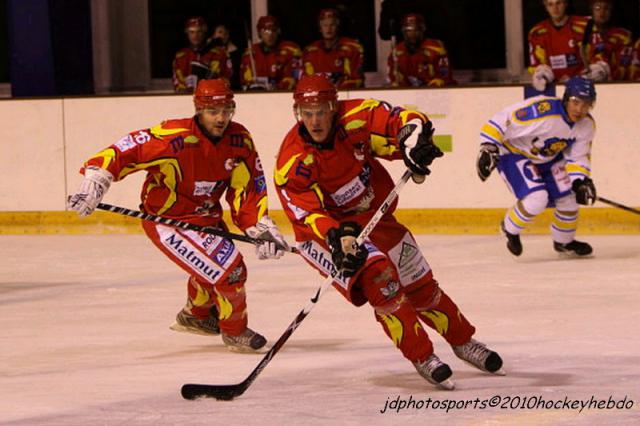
(330, 183)
(340, 58)
(417, 61)
(199, 60)
(555, 48)
(610, 44)
(272, 63)
(634, 74)
(191, 164)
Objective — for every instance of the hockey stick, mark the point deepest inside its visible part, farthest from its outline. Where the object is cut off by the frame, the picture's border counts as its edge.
(618, 205)
(184, 225)
(228, 392)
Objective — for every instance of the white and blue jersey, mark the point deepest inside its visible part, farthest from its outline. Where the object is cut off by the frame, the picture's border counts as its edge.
(540, 148)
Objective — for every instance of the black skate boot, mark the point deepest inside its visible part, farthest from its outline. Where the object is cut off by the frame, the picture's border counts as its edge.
(513, 241)
(248, 341)
(577, 248)
(436, 372)
(479, 356)
(188, 323)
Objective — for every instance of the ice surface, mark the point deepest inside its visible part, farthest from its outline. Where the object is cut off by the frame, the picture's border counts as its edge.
(85, 338)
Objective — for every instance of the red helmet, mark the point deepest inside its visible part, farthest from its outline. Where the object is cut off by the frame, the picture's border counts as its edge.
(313, 89)
(211, 93)
(327, 14)
(196, 21)
(413, 20)
(268, 22)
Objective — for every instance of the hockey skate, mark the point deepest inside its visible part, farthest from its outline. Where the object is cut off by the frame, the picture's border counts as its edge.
(435, 372)
(479, 356)
(574, 248)
(187, 323)
(513, 241)
(248, 341)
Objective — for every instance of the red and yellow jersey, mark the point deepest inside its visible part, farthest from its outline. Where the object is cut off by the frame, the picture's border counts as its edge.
(342, 63)
(614, 46)
(634, 74)
(279, 66)
(215, 60)
(320, 185)
(188, 173)
(428, 65)
(558, 47)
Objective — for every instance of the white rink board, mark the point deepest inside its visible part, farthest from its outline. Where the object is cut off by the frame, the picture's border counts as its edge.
(91, 124)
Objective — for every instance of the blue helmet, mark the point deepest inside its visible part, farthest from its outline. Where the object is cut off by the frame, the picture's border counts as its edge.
(579, 87)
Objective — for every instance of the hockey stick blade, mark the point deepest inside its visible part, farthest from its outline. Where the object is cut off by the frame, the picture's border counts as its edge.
(220, 392)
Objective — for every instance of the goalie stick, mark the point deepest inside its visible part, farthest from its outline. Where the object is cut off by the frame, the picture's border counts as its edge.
(185, 225)
(228, 392)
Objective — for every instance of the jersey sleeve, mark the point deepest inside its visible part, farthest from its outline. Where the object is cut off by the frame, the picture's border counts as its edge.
(140, 150)
(537, 50)
(578, 154)
(353, 76)
(247, 192)
(180, 71)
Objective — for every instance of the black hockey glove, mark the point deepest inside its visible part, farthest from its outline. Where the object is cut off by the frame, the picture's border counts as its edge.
(344, 252)
(585, 191)
(418, 149)
(487, 160)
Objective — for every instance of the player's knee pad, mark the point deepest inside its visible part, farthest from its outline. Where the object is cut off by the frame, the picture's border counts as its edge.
(425, 296)
(535, 203)
(380, 283)
(567, 204)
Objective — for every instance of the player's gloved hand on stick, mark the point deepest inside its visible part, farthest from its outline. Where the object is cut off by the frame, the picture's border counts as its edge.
(346, 255)
(542, 75)
(273, 245)
(95, 184)
(418, 149)
(488, 158)
(585, 191)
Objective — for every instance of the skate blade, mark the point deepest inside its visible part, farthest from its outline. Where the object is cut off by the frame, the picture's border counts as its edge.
(182, 329)
(572, 255)
(244, 350)
(446, 384)
(500, 372)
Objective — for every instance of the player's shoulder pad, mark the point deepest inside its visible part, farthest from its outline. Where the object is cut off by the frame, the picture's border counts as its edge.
(539, 29)
(541, 107)
(168, 130)
(434, 45)
(290, 47)
(313, 46)
(624, 35)
(352, 43)
(180, 53)
(578, 24)
(293, 162)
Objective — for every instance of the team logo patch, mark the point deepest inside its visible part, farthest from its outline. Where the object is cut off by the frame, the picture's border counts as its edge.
(204, 188)
(390, 290)
(261, 184)
(125, 144)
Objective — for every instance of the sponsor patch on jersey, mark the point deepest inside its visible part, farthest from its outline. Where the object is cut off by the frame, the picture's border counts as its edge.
(261, 184)
(224, 252)
(558, 62)
(204, 188)
(125, 144)
(354, 188)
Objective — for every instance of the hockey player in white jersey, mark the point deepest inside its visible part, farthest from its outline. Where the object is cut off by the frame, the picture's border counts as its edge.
(541, 148)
